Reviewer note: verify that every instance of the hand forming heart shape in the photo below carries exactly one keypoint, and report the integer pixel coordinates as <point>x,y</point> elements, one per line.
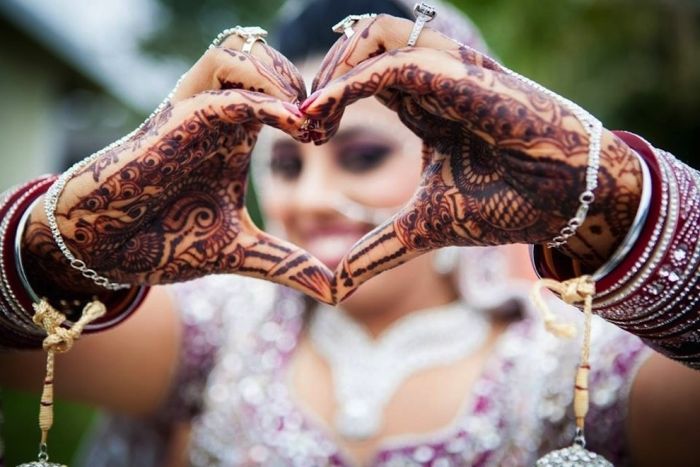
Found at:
<point>503,162</point>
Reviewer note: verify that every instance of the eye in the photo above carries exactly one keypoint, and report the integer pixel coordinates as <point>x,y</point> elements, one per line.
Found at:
<point>285,165</point>
<point>359,158</point>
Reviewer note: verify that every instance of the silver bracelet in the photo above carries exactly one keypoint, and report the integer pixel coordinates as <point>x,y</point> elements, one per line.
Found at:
<point>635,229</point>
<point>19,265</point>
<point>595,132</point>
<point>51,199</point>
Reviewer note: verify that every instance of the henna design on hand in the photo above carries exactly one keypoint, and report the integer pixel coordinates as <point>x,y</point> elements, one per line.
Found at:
<point>168,204</point>
<point>503,163</point>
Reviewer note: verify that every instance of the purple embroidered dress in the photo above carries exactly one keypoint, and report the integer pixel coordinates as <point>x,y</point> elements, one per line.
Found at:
<point>232,382</point>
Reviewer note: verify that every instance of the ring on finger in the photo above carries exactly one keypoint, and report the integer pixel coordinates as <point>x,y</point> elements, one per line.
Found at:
<point>423,13</point>
<point>251,35</point>
<point>344,26</point>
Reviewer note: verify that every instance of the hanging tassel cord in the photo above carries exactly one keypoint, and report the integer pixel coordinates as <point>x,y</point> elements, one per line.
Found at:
<point>572,291</point>
<point>58,340</point>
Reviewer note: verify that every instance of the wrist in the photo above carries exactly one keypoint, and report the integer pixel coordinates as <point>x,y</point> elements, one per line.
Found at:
<point>616,209</point>
<point>18,281</point>
<point>653,291</point>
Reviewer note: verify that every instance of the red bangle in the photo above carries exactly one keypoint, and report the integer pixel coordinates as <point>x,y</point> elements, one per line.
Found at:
<point>16,327</point>
<point>18,330</point>
<point>655,290</point>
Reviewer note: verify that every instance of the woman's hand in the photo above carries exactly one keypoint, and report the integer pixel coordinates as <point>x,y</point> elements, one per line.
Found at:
<point>503,162</point>
<point>168,205</point>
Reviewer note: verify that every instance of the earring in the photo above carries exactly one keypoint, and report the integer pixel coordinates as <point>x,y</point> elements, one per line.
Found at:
<point>445,260</point>
<point>483,276</point>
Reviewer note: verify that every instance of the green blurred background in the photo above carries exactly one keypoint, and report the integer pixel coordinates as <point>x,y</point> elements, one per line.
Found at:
<point>633,63</point>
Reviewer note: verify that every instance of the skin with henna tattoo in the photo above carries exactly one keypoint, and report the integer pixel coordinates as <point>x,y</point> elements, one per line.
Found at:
<point>503,162</point>
<point>168,204</point>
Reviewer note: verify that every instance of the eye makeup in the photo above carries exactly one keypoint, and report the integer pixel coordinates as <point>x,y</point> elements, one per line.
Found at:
<point>285,160</point>
<point>360,150</point>
<point>358,157</point>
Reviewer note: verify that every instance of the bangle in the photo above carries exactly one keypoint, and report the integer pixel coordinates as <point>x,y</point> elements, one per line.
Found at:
<point>17,329</point>
<point>21,227</point>
<point>17,305</point>
<point>635,229</point>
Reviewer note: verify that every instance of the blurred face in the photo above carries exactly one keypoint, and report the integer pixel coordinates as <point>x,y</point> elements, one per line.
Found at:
<point>325,198</point>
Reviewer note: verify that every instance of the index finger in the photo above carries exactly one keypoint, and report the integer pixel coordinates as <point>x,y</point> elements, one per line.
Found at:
<point>272,58</point>
<point>377,35</point>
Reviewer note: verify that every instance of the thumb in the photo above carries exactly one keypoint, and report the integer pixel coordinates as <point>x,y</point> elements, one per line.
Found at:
<point>387,246</point>
<point>265,256</point>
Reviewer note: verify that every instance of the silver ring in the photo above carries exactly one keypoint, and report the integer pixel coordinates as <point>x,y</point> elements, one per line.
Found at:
<point>251,34</point>
<point>344,26</point>
<point>423,13</point>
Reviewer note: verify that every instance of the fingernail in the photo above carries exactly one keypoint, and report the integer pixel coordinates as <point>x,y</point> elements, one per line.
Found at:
<point>309,100</point>
<point>293,109</point>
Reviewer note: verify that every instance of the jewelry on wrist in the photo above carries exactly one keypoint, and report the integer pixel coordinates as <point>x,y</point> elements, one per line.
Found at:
<point>655,249</point>
<point>19,234</point>
<point>594,129</point>
<point>635,229</point>
<point>17,328</point>
<point>17,304</point>
<point>654,291</point>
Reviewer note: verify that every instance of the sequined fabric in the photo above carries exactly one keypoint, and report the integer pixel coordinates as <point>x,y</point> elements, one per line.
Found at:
<point>518,409</point>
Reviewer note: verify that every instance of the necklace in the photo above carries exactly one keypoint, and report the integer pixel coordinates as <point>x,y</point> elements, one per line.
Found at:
<point>367,372</point>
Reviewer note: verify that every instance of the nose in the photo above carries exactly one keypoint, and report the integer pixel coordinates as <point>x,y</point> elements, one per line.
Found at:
<point>316,190</point>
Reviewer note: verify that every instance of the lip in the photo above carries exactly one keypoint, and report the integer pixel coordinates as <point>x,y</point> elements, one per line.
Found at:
<point>330,242</point>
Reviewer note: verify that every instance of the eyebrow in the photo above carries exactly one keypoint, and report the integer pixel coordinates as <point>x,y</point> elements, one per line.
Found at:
<point>354,131</point>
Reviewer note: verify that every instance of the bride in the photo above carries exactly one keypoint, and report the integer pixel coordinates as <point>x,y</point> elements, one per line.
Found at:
<point>440,359</point>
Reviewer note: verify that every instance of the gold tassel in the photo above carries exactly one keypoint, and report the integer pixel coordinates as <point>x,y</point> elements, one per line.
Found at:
<point>580,289</point>
<point>58,340</point>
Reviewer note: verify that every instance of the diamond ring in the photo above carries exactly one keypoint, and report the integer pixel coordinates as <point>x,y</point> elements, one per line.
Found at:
<point>251,34</point>
<point>345,25</point>
<point>423,13</point>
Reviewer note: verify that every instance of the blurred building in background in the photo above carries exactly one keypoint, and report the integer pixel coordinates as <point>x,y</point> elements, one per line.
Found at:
<point>72,78</point>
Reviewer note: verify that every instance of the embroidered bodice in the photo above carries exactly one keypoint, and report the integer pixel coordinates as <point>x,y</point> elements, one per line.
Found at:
<point>518,408</point>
